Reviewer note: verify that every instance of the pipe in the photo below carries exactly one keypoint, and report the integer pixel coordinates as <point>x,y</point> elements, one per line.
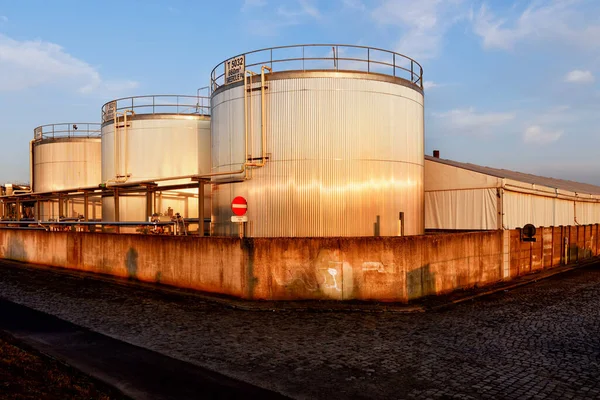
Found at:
<point>131,183</point>
<point>246,164</point>
<point>116,157</point>
<point>263,128</point>
<point>246,115</point>
<point>31,164</point>
<point>125,175</point>
<point>120,178</point>
<point>125,142</point>
<point>248,88</point>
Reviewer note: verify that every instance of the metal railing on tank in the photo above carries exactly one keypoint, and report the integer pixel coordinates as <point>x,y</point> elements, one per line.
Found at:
<point>157,104</point>
<point>335,57</point>
<point>67,130</point>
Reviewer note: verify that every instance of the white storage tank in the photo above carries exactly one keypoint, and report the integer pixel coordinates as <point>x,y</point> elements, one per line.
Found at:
<point>155,137</point>
<point>66,156</point>
<point>330,139</point>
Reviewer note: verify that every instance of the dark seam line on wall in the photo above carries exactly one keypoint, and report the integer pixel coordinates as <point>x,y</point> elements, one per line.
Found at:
<point>330,159</point>
<point>323,90</point>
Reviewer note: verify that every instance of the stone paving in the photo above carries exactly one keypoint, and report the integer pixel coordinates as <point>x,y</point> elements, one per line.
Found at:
<point>534,342</point>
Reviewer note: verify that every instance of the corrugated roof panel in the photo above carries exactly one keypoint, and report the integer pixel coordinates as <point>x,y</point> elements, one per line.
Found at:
<point>561,184</point>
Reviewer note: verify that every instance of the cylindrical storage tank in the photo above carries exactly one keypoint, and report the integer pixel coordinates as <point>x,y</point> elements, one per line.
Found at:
<point>161,137</point>
<point>66,156</point>
<point>340,132</point>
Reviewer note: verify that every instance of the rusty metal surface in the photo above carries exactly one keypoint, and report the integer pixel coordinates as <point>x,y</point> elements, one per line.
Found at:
<point>342,152</point>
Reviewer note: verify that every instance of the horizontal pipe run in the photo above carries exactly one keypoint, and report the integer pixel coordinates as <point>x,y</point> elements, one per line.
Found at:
<point>105,223</point>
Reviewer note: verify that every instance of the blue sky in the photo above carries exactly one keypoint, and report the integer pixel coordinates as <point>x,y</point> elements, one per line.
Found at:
<point>509,84</point>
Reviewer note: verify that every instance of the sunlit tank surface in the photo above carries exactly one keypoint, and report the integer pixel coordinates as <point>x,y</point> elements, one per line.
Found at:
<point>342,147</point>
<point>66,156</point>
<point>161,136</point>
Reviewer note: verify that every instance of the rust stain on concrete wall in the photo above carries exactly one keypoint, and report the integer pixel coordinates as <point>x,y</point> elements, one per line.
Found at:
<point>369,268</point>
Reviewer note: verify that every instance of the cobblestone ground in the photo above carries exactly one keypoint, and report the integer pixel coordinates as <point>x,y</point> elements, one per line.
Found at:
<point>537,341</point>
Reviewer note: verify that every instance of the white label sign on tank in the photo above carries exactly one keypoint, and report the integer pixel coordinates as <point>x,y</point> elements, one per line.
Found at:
<point>234,69</point>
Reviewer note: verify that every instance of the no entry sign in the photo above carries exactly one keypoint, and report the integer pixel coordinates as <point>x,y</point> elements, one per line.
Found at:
<point>239,206</point>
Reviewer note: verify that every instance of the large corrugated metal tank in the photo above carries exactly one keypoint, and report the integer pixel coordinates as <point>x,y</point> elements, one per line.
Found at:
<point>157,137</point>
<point>66,156</point>
<point>343,144</point>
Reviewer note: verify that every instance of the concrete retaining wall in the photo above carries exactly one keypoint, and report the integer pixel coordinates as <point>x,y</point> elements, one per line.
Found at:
<point>551,249</point>
<point>374,268</point>
<point>208,264</point>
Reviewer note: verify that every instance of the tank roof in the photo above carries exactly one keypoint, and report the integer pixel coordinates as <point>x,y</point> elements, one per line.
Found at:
<point>310,57</point>
<point>164,104</point>
<point>67,130</point>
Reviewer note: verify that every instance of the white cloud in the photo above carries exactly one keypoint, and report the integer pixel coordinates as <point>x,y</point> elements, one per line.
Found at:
<point>111,87</point>
<point>536,135</point>
<point>430,85</point>
<point>579,76</point>
<point>305,8</point>
<point>286,15</point>
<point>423,24</point>
<point>472,122</point>
<point>310,9</point>
<point>555,20</point>
<point>27,64</point>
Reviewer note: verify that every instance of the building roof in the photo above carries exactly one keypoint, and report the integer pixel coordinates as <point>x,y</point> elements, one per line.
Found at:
<point>561,184</point>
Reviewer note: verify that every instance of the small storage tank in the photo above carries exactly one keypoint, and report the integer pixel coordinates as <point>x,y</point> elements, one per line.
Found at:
<point>66,156</point>
<point>156,137</point>
<point>329,139</point>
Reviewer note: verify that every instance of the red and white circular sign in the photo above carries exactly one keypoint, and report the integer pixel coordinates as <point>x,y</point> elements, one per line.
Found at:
<point>239,206</point>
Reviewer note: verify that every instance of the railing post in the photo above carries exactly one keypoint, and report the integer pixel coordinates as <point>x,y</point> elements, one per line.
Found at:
<point>394,73</point>
<point>149,203</point>
<point>411,71</point>
<point>117,216</point>
<point>86,215</point>
<point>153,111</point>
<point>200,208</point>
<point>368,60</point>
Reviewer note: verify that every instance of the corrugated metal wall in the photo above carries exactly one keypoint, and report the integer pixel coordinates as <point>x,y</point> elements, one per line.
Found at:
<point>158,148</point>
<point>461,209</point>
<point>522,208</point>
<point>66,163</point>
<point>457,198</point>
<point>343,151</point>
